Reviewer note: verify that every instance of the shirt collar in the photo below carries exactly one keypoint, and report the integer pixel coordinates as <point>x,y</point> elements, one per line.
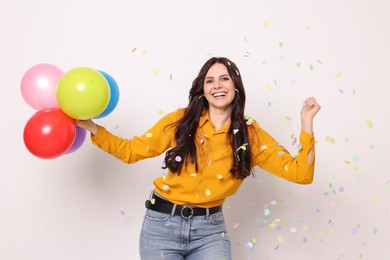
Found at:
<point>205,119</point>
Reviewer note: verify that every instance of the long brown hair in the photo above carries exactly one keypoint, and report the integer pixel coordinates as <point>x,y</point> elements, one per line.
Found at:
<point>186,127</point>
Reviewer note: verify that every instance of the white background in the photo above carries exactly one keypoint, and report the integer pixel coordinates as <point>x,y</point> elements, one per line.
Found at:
<point>88,205</point>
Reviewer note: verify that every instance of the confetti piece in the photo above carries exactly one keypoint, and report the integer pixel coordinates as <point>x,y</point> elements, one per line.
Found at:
<point>266,24</point>
<point>122,212</point>
<point>330,139</point>
<point>161,111</point>
<point>280,153</point>
<point>299,147</point>
<point>369,123</point>
<point>264,147</point>
<point>201,141</point>
<point>133,50</point>
<point>293,230</point>
<point>149,135</point>
<point>315,207</point>
<point>153,201</point>
<point>249,120</point>
<point>249,244</point>
<point>269,104</point>
<point>236,225</point>
<point>285,168</point>
<point>311,67</point>
<point>281,44</point>
<point>170,77</point>
<point>144,52</point>
<point>304,240</point>
<point>223,234</point>
<point>356,158</point>
<point>341,90</point>
<point>280,239</point>
<point>287,119</point>
<point>264,63</point>
<point>374,199</point>
<point>207,192</point>
<point>178,159</point>
<point>219,177</point>
<point>235,131</point>
<point>298,64</point>
<point>338,74</point>
<point>155,72</point>
<point>193,174</point>
<point>165,187</point>
<point>242,147</point>
<point>266,212</point>
<point>274,202</point>
<point>245,39</point>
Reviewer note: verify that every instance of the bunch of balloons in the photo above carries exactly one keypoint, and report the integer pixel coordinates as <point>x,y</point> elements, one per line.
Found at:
<point>60,99</point>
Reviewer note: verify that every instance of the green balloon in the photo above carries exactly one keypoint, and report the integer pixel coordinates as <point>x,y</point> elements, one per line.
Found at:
<point>83,93</point>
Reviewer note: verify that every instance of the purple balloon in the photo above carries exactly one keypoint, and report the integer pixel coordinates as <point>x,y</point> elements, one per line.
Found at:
<point>79,139</point>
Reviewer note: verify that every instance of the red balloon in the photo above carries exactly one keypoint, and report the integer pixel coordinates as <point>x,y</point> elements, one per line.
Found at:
<point>49,133</point>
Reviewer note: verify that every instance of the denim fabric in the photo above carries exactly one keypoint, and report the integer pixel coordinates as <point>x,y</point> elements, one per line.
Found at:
<point>170,237</point>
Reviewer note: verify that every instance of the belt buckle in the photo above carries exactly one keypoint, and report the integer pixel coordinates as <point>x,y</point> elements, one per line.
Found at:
<point>190,211</point>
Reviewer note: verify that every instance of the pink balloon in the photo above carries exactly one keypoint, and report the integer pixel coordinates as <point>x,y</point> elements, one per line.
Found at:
<point>39,86</point>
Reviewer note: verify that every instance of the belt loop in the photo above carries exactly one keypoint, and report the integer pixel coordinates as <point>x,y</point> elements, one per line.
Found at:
<point>173,210</point>
<point>207,212</point>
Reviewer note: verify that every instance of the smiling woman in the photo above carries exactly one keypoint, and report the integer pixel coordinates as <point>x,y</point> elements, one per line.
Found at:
<point>210,148</point>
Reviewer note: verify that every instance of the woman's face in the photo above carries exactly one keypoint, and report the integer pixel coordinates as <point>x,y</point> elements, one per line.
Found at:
<point>218,87</point>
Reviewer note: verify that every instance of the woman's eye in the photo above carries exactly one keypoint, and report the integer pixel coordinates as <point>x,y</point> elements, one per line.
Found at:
<point>225,78</point>
<point>209,81</point>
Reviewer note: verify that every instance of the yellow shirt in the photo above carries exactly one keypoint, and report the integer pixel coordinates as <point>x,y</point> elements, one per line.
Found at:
<point>213,182</point>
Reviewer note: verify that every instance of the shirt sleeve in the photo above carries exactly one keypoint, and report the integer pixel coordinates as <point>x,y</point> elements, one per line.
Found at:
<point>152,143</point>
<point>268,154</point>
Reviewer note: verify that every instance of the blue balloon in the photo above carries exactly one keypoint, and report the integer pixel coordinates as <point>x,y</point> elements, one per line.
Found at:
<point>114,97</point>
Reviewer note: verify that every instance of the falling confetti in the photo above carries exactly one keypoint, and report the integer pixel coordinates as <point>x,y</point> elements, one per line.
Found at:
<point>369,123</point>
<point>149,135</point>
<point>287,119</point>
<point>165,187</point>
<point>338,74</point>
<point>178,159</point>
<point>330,139</point>
<point>207,192</point>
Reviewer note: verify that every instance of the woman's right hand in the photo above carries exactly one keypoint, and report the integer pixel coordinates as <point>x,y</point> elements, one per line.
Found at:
<point>87,125</point>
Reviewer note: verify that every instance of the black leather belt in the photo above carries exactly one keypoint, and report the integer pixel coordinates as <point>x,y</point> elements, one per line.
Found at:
<point>186,211</point>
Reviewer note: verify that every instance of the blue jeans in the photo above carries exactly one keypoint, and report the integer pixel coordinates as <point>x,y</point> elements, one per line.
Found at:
<point>170,237</point>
